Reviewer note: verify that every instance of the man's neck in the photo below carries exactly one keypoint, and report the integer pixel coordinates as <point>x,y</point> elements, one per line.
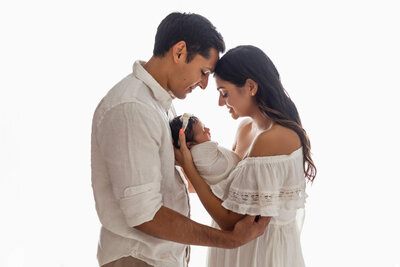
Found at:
<point>157,68</point>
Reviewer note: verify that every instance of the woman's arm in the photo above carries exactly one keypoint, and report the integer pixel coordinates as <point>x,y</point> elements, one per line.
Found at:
<point>190,186</point>
<point>225,218</point>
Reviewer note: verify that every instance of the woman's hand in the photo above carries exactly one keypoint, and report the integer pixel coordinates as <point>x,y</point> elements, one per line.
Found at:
<point>183,157</point>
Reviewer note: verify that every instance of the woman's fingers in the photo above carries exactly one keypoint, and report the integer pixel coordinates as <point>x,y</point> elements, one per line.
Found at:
<point>178,156</point>
<point>182,140</point>
<point>185,152</point>
<point>179,152</point>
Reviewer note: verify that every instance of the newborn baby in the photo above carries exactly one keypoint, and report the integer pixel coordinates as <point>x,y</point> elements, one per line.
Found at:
<point>213,162</point>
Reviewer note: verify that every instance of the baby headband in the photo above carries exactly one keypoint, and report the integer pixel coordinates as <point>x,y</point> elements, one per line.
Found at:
<point>185,120</point>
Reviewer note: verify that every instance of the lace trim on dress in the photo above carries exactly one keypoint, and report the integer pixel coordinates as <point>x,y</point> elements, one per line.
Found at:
<point>267,198</point>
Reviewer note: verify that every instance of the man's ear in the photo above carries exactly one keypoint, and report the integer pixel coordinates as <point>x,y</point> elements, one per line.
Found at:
<point>179,51</point>
<point>252,86</point>
<point>190,144</point>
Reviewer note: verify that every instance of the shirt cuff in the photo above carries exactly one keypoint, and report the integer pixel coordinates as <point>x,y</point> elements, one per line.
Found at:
<point>141,203</point>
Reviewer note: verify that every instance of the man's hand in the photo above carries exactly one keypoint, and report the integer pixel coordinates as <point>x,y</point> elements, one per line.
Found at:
<point>248,229</point>
<point>170,225</point>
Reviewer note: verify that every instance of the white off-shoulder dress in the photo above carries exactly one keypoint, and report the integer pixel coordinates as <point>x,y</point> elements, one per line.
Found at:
<point>268,186</point>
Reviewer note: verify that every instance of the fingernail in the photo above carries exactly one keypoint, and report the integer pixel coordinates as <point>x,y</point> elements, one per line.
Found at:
<point>181,131</point>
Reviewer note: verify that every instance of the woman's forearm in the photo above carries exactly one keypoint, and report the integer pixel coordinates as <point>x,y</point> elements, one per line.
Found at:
<point>225,218</point>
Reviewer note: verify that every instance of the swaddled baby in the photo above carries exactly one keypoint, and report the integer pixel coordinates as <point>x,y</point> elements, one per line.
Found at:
<point>213,162</point>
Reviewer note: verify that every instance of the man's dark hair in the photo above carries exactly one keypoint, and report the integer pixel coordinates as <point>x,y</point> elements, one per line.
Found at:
<point>176,125</point>
<point>197,31</point>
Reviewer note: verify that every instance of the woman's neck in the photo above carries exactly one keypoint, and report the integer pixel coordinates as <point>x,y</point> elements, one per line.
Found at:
<point>261,121</point>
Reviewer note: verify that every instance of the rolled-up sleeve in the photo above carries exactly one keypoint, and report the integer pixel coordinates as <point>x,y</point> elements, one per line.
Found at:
<point>129,139</point>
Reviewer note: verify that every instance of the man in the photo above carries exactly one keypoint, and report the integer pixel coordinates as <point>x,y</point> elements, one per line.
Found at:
<point>141,201</point>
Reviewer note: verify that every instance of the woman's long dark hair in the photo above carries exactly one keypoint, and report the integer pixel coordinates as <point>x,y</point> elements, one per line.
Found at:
<point>246,61</point>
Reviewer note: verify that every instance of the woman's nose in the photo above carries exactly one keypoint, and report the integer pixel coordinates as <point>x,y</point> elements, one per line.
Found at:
<point>221,101</point>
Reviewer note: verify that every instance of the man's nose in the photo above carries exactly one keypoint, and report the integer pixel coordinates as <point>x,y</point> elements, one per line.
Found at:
<point>204,81</point>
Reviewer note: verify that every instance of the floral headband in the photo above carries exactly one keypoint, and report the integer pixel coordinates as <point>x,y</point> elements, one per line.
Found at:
<point>185,120</point>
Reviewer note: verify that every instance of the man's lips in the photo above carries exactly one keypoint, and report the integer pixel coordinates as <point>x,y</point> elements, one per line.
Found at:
<point>191,88</point>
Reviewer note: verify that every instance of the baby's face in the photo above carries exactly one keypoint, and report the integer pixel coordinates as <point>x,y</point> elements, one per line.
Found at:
<point>201,133</point>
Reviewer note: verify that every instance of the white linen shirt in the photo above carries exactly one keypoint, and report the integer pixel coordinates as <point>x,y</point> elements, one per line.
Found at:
<point>133,171</point>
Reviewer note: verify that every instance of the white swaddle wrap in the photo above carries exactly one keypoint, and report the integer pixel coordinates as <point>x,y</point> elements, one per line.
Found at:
<point>213,162</point>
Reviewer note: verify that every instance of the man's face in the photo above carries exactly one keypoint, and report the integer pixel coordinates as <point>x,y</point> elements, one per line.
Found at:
<point>187,76</point>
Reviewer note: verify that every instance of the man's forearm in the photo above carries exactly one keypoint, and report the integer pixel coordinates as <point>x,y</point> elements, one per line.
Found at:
<point>171,225</point>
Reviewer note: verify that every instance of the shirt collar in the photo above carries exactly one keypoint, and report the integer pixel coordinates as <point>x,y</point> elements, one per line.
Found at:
<point>160,94</point>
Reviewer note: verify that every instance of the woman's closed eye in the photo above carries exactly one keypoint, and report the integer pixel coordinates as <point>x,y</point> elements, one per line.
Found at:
<point>223,94</point>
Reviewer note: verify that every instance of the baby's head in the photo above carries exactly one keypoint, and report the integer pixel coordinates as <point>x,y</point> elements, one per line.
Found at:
<point>195,132</point>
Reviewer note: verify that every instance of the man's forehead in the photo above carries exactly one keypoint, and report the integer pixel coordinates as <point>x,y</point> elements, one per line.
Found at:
<point>212,60</point>
<point>210,66</point>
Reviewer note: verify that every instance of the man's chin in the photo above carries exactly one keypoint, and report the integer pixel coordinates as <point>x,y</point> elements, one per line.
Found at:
<point>181,96</point>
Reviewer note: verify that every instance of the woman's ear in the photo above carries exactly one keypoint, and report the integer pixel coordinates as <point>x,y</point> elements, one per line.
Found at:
<point>253,86</point>
<point>179,51</point>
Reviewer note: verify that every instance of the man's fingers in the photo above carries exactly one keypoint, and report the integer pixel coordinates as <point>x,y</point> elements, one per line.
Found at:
<point>264,221</point>
<point>250,218</point>
<point>257,219</point>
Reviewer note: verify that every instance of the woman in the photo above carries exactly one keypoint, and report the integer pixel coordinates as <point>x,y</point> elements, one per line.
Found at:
<point>276,162</point>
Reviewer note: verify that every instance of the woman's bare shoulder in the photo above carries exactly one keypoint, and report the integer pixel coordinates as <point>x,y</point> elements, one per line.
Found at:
<point>278,140</point>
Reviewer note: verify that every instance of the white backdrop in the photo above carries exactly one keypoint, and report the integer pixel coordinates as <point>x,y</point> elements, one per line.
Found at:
<point>339,61</point>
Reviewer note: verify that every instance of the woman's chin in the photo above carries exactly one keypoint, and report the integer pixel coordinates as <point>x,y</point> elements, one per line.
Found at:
<point>234,116</point>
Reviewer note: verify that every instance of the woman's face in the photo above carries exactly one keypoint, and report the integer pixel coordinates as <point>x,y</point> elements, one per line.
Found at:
<point>201,133</point>
<point>236,99</point>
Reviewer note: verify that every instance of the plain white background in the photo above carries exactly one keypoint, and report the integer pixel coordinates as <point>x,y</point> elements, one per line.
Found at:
<point>339,61</point>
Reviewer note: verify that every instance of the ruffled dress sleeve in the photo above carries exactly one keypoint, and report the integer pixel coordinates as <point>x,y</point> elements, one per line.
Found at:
<point>264,185</point>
